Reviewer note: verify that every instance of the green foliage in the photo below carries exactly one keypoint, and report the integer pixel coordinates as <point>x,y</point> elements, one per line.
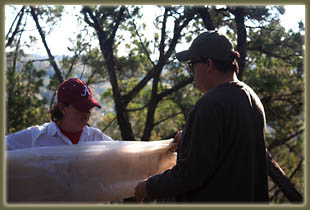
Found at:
<point>170,118</point>
<point>132,66</point>
<point>108,125</point>
<point>25,106</point>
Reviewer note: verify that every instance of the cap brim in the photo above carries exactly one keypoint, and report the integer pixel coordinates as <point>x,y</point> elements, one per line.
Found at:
<point>184,55</point>
<point>86,105</point>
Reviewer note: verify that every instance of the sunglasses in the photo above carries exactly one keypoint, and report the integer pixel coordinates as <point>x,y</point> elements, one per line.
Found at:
<point>191,63</point>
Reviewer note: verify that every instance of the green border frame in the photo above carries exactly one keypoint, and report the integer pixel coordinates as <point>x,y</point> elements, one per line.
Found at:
<point>305,205</point>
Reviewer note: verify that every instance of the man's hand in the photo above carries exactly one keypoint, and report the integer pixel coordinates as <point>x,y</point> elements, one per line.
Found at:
<point>176,141</point>
<point>141,192</point>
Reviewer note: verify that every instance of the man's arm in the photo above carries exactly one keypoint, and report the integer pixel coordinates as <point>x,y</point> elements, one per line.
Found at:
<point>201,145</point>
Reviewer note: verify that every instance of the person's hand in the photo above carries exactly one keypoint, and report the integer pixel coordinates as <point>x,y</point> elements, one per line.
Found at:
<point>176,141</point>
<point>141,192</point>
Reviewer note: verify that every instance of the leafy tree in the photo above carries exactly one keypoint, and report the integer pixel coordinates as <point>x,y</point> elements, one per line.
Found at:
<point>97,18</point>
<point>25,105</point>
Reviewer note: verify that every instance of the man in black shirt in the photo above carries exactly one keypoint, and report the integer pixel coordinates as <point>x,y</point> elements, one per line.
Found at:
<point>221,152</point>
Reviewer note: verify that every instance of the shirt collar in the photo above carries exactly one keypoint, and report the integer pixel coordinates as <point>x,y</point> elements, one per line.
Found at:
<point>52,129</point>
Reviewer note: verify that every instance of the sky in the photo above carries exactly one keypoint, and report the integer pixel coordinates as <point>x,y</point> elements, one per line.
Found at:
<point>58,40</point>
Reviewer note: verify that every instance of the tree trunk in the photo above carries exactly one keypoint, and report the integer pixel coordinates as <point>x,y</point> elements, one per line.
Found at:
<point>106,40</point>
<point>120,104</point>
<point>149,122</point>
<point>241,40</point>
<point>279,178</point>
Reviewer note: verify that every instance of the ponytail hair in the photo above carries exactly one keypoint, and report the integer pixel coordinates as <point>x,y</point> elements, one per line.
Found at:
<point>56,114</point>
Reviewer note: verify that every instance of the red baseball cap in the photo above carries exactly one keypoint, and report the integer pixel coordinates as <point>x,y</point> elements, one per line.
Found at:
<point>75,92</point>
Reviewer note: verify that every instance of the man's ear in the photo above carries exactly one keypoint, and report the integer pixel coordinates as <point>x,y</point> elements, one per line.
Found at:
<point>210,64</point>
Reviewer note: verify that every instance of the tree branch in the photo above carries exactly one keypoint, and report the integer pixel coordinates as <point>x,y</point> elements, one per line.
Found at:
<point>20,15</point>
<point>109,124</point>
<point>166,93</point>
<point>166,118</point>
<point>163,59</point>
<point>35,60</point>
<point>138,109</point>
<point>175,88</point>
<point>163,33</point>
<point>262,50</point>
<point>205,16</point>
<point>51,57</point>
<point>278,177</point>
<point>87,11</point>
<point>276,143</point>
<point>16,52</point>
<point>187,17</point>
<point>130,95</point>
<point>142,44</point>
<point>117,22</point>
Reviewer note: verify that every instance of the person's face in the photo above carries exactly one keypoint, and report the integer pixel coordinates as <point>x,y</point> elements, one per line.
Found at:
<point>75,118</point>
<point>199,69</point>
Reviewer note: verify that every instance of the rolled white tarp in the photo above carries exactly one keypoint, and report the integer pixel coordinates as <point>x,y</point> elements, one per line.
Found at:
<point>91,172</point>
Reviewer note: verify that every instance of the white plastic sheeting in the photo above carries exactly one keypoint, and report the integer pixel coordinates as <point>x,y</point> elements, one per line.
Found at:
<point>91,172</point>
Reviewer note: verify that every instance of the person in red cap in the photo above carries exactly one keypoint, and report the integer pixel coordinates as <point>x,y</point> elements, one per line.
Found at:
<point>221,152</point>
<point>69,120</point>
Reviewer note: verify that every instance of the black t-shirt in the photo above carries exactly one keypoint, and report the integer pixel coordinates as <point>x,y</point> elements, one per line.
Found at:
<point>222,154</point>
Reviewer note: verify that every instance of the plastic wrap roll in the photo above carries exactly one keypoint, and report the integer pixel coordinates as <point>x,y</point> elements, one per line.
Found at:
<point>91,172</point>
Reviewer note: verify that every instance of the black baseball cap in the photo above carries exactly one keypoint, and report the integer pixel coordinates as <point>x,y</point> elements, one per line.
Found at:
<point>209,44</point>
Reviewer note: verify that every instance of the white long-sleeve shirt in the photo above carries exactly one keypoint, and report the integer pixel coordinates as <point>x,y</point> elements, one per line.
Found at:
<point>49,134</point>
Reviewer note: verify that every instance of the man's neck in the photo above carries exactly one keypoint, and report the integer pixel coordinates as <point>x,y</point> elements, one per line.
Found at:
<point>223,78</point>
<point>228,78</point>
